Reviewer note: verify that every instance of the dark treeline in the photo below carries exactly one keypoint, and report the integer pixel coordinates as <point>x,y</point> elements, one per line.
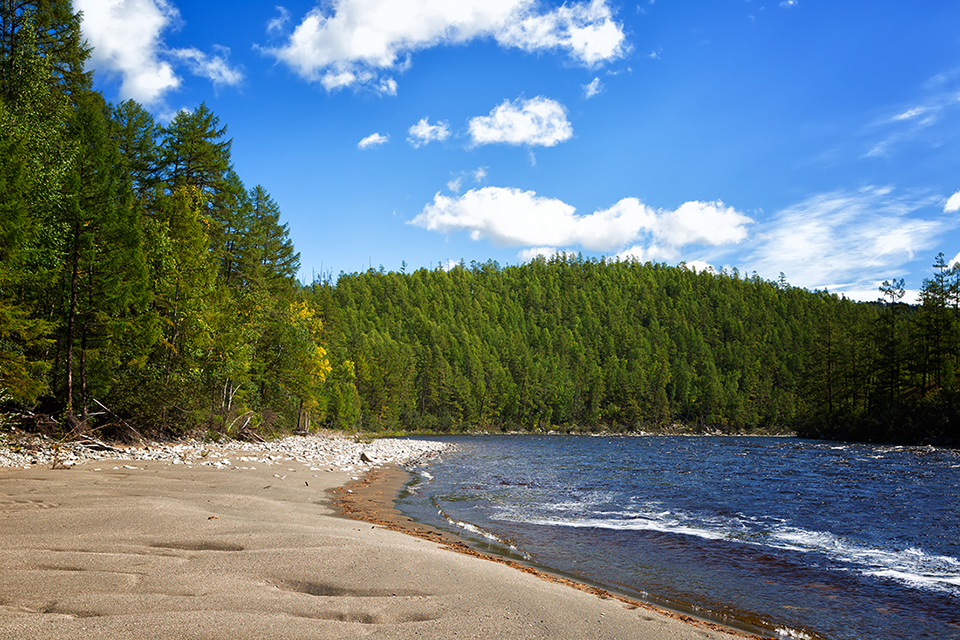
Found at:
<point>144,286</point>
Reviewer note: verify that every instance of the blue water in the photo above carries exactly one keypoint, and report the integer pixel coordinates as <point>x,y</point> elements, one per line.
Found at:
<point>805,539</point>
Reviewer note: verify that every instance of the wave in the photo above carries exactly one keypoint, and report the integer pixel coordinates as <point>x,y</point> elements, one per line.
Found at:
<point>910,566</point>
<point>479,531</point>
<point>633,523</point>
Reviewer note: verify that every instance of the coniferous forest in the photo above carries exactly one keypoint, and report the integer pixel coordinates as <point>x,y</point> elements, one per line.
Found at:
<point>144,287</point>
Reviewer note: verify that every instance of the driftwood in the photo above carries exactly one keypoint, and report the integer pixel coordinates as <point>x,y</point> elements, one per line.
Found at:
<point>96,445</point>
<point>80,433</point>
<point>122,421</point>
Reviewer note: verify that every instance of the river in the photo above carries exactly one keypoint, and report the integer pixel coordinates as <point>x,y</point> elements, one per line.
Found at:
<point>800,538</point>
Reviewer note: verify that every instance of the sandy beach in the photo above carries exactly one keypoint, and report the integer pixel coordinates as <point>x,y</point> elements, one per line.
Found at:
<point>248,544</point>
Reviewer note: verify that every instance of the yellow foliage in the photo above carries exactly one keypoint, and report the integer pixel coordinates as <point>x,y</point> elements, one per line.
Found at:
<point>303,316</point>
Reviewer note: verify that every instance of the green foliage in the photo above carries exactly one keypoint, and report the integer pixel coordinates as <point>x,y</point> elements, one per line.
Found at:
<point>35,159</point>
<point>136,269</point>
<point>575,344</point>
<point>561,343</point>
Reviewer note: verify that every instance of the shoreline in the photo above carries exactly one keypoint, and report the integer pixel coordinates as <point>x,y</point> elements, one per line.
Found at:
<point>249,545</point>
<point>371,499</point>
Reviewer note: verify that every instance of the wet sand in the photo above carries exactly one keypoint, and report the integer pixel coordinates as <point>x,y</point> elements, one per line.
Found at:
<point>158,550</point>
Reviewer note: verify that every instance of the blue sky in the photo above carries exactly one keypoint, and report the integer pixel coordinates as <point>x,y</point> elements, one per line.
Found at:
<point>816,138</point>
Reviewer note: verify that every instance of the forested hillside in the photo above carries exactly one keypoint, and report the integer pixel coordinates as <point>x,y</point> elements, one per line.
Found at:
<point>583,344</point>
<point>144,286</point>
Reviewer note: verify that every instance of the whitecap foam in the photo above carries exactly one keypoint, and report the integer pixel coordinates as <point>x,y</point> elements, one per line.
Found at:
<point>663,521</point>
<point>479,531</point>
<point>640,524</point>
<point>787,632</point>
<point>911,566</point>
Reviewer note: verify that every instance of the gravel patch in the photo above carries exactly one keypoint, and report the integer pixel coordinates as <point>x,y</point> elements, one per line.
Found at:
<point>326,452</point>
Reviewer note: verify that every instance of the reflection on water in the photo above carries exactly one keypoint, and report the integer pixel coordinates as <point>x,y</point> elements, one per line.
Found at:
<point>841,541</point>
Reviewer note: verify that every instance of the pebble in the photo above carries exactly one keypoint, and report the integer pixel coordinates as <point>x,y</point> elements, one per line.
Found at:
<point>330,451</point>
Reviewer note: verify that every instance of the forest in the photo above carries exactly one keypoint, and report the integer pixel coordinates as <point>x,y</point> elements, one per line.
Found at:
<point>146,289</point>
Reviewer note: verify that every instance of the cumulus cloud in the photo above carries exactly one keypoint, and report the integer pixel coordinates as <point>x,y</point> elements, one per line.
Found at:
<point>846,240</point>
<point>699,266</point>
<point>592,89</point>
<point>512,217</point>
<point>536,122</point>
<point>953,203</point>
<point>126,36</point>
<point>349,43</point>
<point>373,140</point>
<point>693,223</point>
<point>424,133</point>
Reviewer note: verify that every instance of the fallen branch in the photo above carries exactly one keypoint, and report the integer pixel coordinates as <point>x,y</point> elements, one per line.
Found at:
<point>122,421</point>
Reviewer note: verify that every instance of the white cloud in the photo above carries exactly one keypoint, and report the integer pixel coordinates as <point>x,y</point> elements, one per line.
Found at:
<point>539,121</point>
<point>126,36</point>
<point>587,31</point>
<point>786,4</point>
<point>424,133</point>
<point>478,175</point>
<point>699,266</point>
<point>214,68</point>
<point>277,25</point>
<point>955,260</point>
<point>928,118</point>
<point>535,252</point>
<point>845,240</point>
<point>649,253</point>
<point>693,223</point>
<point>910,114</point>
<point>709,223</point>
<point>352,42</point>
<point>508,217</point>
<point>592,89</point>
<point>511,217</point>
<point>953,203</point>
<point>373,140</point>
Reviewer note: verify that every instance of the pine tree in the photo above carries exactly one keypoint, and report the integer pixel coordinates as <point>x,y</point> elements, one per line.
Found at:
<point>104,281</point>
<point>35,158</point>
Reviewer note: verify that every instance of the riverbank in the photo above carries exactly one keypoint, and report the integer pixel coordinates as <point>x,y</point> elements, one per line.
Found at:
<point>246,543</point>
<point>371,499</point>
